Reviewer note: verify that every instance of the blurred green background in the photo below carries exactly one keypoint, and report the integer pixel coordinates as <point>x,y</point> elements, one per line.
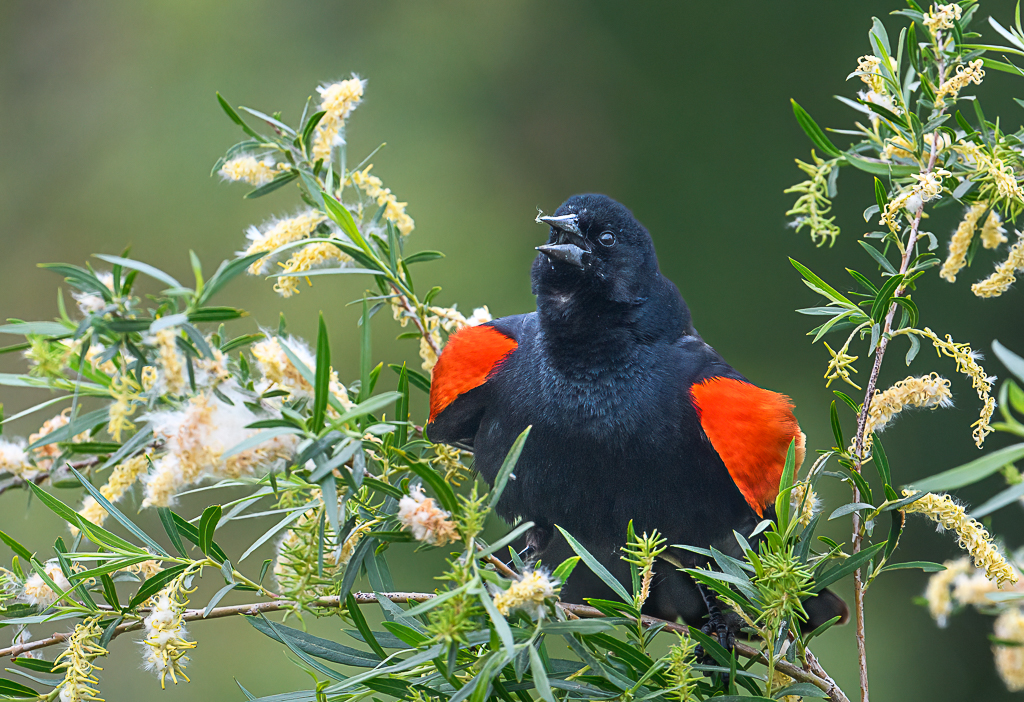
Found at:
<point>490,110</point>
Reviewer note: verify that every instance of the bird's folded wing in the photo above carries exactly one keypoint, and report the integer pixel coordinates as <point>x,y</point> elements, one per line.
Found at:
<point>469,358</point>
<point>751,429</point>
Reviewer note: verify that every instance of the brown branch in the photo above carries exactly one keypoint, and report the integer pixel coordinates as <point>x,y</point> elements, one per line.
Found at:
<point>18,481</point>
<point>862,420</point>
<point>815,676</point>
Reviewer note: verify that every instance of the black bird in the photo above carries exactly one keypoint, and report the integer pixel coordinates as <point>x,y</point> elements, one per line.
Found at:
<point>634,416</point>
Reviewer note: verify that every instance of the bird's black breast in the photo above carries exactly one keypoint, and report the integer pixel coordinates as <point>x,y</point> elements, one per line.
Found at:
<point>611,441</point>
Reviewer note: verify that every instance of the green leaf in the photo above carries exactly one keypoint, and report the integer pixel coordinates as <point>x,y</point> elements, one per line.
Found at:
<point>116,514</point>
<point>365,356</point>
<point>595,566</point>
<point>814,132</point>
<point>880,167</point>
<point>785,483</point>
<point>192,534</point>
<point>926,566</point>
<point>40,328</point>
<point>207,526</point>
<point>402,408</point>
<point>826,289</point>
<point>880,307</point>
<point>363,627</point>
<point>155,584</point>
<point>217,597</point>
<point>837,429</point>
<point>565,568</point>
<point>847,567</point>
<point>238,120</point>
<point>19,550</point>
<point>9,688</point>
<point>507,466</point>
<point>307,131</point>
<point>848,508</point>
<point>972,472</point>
<point>77,425</point>
<point>1005,497</point>
<point>227,271</point>
<point>1013,362</point>
<point>880,259</point>
<point>540,676</point>
<point>799,690</point>
<point>880,195</point>
<point>323,376</point>
<point>437,484</point>
<point>422,256</point>
<point>270,532</point>
<point>141,267</point>
<point>279,181</point>
<point>316,646</point>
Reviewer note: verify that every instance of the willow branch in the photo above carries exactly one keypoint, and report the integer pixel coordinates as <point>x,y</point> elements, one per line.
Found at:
<point>815,676</point>
<point>862,422</point>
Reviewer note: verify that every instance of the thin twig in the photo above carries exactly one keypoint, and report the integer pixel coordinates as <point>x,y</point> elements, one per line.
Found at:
<point>816,676</point>
<point>862,420</point>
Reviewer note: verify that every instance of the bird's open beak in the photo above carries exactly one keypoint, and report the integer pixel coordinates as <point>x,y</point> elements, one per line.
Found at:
<point>570,245</point>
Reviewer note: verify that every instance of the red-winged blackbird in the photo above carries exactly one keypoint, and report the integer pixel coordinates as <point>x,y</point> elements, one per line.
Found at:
<point>634,416</point>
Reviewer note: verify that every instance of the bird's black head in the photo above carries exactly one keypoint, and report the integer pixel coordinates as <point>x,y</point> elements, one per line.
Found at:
<point>596,250</point>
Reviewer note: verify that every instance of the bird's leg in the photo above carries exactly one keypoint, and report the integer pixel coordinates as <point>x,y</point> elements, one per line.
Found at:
<point>537,539</point>
<point>723,625</point>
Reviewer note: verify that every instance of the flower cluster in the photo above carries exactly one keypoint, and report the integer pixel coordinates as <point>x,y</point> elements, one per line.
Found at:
<point>394,211</point>
<point>938,594</point>
<point>36,592</point>
<point>805,503</point>
<point>197,438</point>
<point>427,522</point>
<point>966,363</point>
<point>1004,275</point>
<point>275,233</point>
<point>927,392</point>
<point>972,536</point>
<point>337,101</point>
<point>1009,627</point>
<point>992,169</point>
<point>973,73</point>
<point>928,187</point>
<point>83,648</point>
<point>942,17</point>
<point>530,595</point>
<point>812,208</point>
<point>249,169</point>
<point>165,646</point>
<point>961,241</point>
<point>279,371</point>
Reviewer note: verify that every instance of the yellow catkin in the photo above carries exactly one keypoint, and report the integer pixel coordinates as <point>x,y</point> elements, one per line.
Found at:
<point>937,593</point>
<point>249,169</point>
<point>941,17</point>
<point>1005,273</point>
<point>961,241</point>
<point>928,391</point>
<point>992,232</point>
<point>305,259</point>
<point>528,594</point>
<point>973,73</point>
<point>1009,626</point>
<point>337,101</point>
<point>80,680</point>
<point>278,232</point>
<point>373,186</point>
<point>973,537</point>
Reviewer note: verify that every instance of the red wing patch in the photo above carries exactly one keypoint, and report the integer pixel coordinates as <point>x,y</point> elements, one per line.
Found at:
<point>750,429</point>
<point>467,360</point>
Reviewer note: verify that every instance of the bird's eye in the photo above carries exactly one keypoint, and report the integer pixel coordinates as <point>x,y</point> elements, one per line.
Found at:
<point>606,239</point>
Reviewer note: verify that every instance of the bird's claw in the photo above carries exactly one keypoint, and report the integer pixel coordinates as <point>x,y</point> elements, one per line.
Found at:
<point>723,626</point>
